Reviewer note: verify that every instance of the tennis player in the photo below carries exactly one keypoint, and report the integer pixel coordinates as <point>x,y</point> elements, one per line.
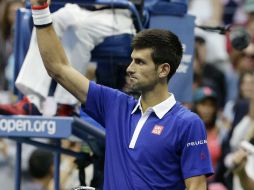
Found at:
<point>151,143</point>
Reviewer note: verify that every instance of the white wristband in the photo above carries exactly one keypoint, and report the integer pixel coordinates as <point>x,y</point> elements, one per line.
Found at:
<point>41,17</point>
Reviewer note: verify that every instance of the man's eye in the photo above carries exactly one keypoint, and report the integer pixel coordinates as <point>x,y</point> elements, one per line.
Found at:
<point>139,62</point>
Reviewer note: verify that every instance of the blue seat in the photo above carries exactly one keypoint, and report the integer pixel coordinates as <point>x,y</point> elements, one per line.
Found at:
<point>172,7</point>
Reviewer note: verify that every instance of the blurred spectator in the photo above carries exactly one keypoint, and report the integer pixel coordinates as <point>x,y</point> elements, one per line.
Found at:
<point>8,22</point>
<point>246,89</point>
<point>248,7</point>
<point>206,74</point>
<point>206,106</point>
<point>235,110</point>
<point>246,62</point>
<point>244,69</point>
<point>211,64</point>
<point>69,170</point>
<point>244,130</point>
<point>233,12</point>
<point>40,169</point>
<point>209,13</point>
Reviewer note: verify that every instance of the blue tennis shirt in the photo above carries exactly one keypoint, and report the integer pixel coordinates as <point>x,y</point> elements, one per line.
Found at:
<point>168,149</point>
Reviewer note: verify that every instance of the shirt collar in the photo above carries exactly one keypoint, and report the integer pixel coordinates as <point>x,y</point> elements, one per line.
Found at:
<point>160,109</point>
<point>138,105</point>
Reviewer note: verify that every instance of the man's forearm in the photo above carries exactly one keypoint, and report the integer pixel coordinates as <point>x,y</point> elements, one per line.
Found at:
<point>51,50</point>
<point>53,54</point>
<point>50,47</point>
<point>57,65</point>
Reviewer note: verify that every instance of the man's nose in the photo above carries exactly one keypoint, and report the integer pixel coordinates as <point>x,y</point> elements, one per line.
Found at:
<point>130,68</point>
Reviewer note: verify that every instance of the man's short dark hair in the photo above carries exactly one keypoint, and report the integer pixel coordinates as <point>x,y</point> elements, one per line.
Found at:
<point>166,46</point>
<point>40,163</point>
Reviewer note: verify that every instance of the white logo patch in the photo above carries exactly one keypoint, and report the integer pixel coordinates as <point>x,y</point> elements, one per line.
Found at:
<point>196,143</point>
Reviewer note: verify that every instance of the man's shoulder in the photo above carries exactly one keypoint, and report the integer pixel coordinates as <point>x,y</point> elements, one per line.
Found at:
<point>111,94</point>
<point>184,117</point>
<point>188,122</point>
<point>183,113</point>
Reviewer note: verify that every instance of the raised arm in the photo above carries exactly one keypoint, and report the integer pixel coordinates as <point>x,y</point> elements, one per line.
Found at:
<point>56,62</point>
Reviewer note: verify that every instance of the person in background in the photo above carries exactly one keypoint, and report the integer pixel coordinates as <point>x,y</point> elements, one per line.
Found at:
<point>40,170</point>
<point>207,74</point>
<point>210,13</point>
<point>248,8</point>
<point>206,106</point>
<point>8,22</point>
<point>231,112</point>
<point>243,131</point>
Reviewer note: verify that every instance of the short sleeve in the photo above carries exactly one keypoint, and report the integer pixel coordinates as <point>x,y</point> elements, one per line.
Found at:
<point>97,98</point>
<point>195,156</point>
<point>103,102</point>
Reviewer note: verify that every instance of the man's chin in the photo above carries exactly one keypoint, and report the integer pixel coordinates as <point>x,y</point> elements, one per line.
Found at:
<point>134,92</point>
<point>132,87</point>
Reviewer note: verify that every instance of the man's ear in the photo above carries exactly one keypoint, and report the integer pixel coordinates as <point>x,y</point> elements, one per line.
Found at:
<point>164,70</point>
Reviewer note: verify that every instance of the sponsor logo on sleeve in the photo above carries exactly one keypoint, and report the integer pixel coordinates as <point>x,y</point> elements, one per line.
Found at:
<point>196,143</point>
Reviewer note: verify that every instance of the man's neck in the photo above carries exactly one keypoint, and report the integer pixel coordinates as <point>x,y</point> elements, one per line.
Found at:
<point>154,97</point>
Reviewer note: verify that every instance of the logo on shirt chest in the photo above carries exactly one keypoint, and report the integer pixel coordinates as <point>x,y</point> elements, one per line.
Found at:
<point>157,129</point>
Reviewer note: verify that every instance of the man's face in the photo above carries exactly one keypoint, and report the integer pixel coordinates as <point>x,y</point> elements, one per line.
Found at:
<point>142,71</point>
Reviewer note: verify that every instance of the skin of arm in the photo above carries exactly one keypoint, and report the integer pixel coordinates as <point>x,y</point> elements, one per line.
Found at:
<point>196,183</point>
<point>56,62</point>
<point>240,158</point>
